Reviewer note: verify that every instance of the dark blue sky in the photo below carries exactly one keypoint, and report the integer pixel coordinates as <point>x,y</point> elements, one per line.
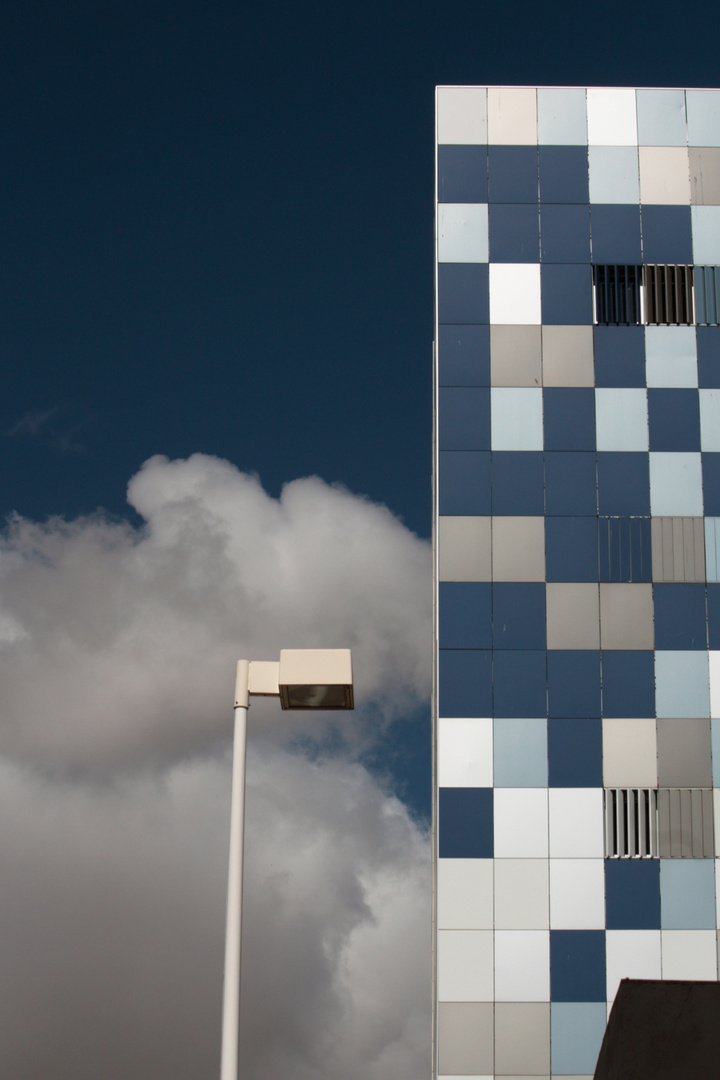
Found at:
<point>217,226</point>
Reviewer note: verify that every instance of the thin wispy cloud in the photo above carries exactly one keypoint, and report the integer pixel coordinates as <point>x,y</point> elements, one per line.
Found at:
<point>57,427</point>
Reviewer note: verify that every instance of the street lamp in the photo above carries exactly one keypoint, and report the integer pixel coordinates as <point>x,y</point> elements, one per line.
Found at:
<point>302,679</point>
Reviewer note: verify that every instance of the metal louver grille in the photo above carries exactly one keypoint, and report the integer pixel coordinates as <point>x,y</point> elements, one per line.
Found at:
<point>630,823</point>
<point>685,819</point>
<point>669,295</point>
<point>707,295</point>
<point>617,294</point>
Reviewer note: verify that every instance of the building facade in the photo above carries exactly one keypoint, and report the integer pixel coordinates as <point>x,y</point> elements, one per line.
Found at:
<point>577,487</point>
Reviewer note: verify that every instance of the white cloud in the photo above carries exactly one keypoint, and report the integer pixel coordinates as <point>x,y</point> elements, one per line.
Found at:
<point>124,641</point>
<point>117,653</point>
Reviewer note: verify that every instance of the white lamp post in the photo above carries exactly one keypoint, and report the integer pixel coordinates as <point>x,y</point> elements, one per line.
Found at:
<point>302,679</point>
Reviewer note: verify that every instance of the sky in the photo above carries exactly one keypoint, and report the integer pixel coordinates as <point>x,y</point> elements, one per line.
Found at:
<point>215,440</point>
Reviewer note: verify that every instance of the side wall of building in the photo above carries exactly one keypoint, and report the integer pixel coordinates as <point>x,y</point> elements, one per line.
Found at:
<point>578,566</point>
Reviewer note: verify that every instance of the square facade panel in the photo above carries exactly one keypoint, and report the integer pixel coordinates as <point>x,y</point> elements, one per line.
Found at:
<point>462,174</point>
<point>631,954</point>
<point>516,356</point>
<point>465,822</point>
<point>463,293</point>
<point>622,419</point>
<point>465,894</point>
<point>514,293</point>
<point>575,823</point>
<point>518,549</point>
<point>565,233</point>
<point>570,483</point>
<point>517,483</point>
<point>629,752</point>
<point>574,753</point>
<point>464,551</point>
<point>464,418</point>
<point>577,894</point>
<point>576,1032</point>
<point>619,356</point>
<point>664,175</point>
<point>465,682</point>
<point>623,483</point>
<point>628,685</point>
<point>465,1038</point>
<point>567,356</point>
<point>464,355</point>
<point>563,174</point>
<point>462,114</point>
<point>616,234</point>
<point>661,118</point>
<point>671,356</point>
<point>703,117</point>
<point>705,175</point>
<point>577,959</point>
<point>562,116</point>
<point>512,115</point>
<point>514,233</point>
<point>522,965</point>
<point>521,894</point>
<point>464,615</point>
<point>573,616</point>
<point>517,418</point>
<point>566,295</point>
<point>632,889</point>
<point>521,823</point>
<point>706,234</point>
<point>513,174</point>
<point>614,175</point>
<point>464,482</point>
<point>684,753</point>
<point>520,752</point>
<point>529,1056</point>
<point>463,233</point>
<point>612,118</point>
<point>667,234</point>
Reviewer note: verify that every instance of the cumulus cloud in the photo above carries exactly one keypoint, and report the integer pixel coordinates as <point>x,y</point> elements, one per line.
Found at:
<point>117,653</point>
<point>119,643</point>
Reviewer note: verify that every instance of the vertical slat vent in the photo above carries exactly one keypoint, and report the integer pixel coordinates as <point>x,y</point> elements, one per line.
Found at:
<point>656,295</point>
<point>707,295</point>
<point>668,295</point>
<point>631,823</point>
<point>685,823</point>
<point>617,294</point>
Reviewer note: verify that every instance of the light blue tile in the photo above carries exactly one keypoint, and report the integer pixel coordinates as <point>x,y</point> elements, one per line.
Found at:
<point>520,748</point>
<point>687,894</point>
<point>516,418</point>
<point>682,683</point>
<point>676,484</point>
<point>703,117</point>
<point>576,1034</point>
<point>710,420</point>
<point>706,235</point>
<point>671,356</point>
<point>463,232</point>
<point>712,548</point>
<point>562,117</point>
<point>715,728</point>
<point>661,118</point>
<point>621,419</point>
<point>614,176</point>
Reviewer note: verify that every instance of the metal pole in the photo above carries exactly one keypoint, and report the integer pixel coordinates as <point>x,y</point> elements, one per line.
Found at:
<point>233,931</point>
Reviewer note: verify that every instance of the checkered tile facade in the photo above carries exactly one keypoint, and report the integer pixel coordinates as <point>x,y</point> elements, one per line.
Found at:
<point>577,479</point>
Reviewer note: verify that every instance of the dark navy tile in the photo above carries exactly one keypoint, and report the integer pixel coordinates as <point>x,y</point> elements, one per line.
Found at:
<point>463,293</point>
<point>619,356</point>
<point>564,234</point>
<point>680,617</point>
<point>624,548</point>
<point>713,609</point>
<point>465,823</point>
<point>571,551</point>
<point>623,483</point>
<point>632,894</point>
<point>465,615</point>
<point>464,418</point>
<point>465,682</point>
<point>667,234</point>
<point>513,173</point>
<point>517,483</point>
<point>573,683</point>
<point>563,174</point>
<point>519,683</point>
<point>464,355</point>
<point>462,174</point>
<point>570,483</point>
<point>708,354</point>
<point>569,418</point>
<point>628,683</point>
<point>518,612</point>
<point>711,484</point>
<point>674,420</point>
<point>464,482</point>
<point>615,233</point>
<point>566,294</point>
<point>514,233</point>
<point>577,965</point>
<point>574,752</point>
